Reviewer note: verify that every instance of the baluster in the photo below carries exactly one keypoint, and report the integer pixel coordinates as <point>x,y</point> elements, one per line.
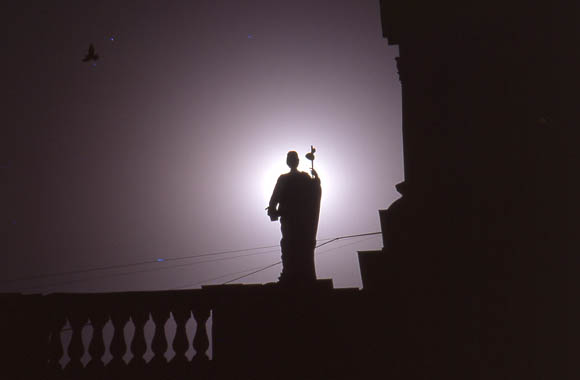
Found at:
<point>158,363</point>
<point>138,344</point>
<point>117,366</point>
<point>96,366</point>
<point>200,362</point>
<point>76,348</point>
<point>179,363</point>
<point>201,340</point>
<point>55,349</point>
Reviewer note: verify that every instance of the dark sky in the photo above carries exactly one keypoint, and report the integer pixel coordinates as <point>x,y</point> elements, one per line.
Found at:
<point>171,144</point>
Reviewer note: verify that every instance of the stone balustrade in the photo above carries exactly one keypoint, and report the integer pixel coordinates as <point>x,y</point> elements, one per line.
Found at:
<point>57,318</point>
<point>257,332</point>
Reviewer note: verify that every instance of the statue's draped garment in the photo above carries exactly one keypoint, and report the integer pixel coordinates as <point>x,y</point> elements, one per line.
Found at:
<point>297,196</point>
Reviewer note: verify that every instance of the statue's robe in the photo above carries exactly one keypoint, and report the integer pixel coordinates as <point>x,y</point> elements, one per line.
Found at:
<point>297,196</point>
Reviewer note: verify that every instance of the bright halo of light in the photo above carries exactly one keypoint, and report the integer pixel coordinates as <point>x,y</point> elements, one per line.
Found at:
<point>276,165</point>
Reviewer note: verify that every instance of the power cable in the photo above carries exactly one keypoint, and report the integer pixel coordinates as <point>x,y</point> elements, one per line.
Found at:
<point>117,266</point>
<point>214,278</point>
<point>49,286</point>
<point>260,269</point>
<point>347,237</point>
<point>52,285</point>
<point>320,245</point>
<point>145,262</point>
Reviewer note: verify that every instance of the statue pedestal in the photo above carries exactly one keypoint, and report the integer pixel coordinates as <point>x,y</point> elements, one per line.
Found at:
<point>277,331</point>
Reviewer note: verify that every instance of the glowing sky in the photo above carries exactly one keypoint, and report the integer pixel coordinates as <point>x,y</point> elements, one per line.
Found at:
<point>170,144</point>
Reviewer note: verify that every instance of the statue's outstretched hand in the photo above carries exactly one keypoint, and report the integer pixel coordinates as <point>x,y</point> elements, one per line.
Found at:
<point>314,173</point>
<point>273,213</point>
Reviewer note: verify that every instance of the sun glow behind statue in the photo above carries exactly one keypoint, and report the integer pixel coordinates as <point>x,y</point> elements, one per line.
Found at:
<point>184,149</point>
<point>275,165</point>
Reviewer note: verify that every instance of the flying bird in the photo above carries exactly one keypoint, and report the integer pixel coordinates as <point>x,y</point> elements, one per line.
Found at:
<point>91,56</point>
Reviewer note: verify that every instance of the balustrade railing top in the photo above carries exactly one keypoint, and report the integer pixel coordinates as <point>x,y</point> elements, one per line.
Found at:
<point>154,334</point>
<point>56,316</point>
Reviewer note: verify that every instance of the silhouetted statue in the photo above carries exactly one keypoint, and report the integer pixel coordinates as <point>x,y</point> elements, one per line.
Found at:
<point>91,56</point>
<point>296,200</point>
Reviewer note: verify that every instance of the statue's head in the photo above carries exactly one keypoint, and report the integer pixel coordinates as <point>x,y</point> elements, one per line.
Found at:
<point>292,159</point>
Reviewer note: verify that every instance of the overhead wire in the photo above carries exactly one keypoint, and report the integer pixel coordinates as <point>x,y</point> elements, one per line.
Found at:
<point>158,260</point>
<point>262,268</point>
<point>206,281</point>
<point>137,263</point>
<point>320,245</point>
<point>347,237</point>
<point>254,272</point>
<point>52,285</point>
<point>111,275</point>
